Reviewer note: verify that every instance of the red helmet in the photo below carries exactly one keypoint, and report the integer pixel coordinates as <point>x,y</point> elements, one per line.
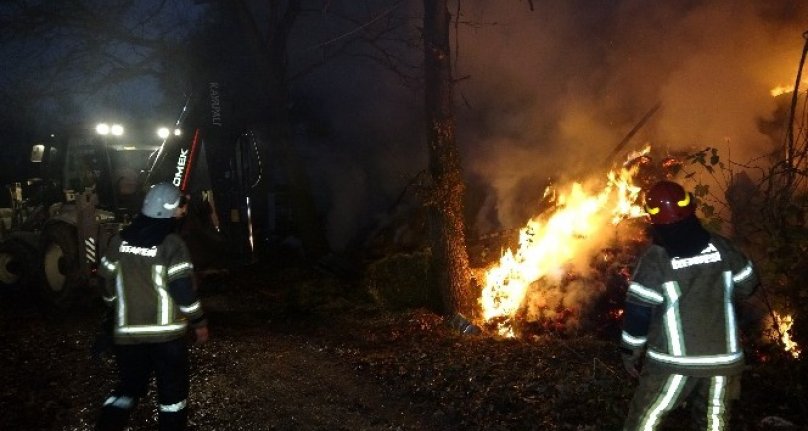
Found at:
<point>668,202</point>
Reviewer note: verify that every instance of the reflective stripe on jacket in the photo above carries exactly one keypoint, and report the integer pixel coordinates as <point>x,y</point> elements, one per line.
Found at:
<point>138,285</point>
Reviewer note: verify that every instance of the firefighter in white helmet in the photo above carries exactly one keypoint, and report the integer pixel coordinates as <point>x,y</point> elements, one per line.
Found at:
<point>680,316</point>
<point>148,272</point>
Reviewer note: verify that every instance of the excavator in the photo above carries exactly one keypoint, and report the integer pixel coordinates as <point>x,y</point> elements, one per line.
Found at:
<point>56,225</point>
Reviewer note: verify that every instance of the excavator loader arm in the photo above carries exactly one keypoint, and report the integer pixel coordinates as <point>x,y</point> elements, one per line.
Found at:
<point>203,157</point>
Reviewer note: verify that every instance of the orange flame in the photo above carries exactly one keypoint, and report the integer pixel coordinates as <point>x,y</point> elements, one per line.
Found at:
<point>781,89</point>
<point>784,324</point>
<point>785,89</point>
<point>549,242</point>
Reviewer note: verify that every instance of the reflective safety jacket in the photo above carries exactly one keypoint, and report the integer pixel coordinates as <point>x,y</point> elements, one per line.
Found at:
<point>151,290</point>
<point>682,309</point>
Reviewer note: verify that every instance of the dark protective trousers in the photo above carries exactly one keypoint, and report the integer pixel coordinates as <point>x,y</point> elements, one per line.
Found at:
<point>709,399</point>
<point>168,361</point>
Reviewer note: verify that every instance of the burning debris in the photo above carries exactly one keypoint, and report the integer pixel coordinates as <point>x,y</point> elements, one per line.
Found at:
<point>549,278</point>
<point>783,324</point>
<point>571,267</point>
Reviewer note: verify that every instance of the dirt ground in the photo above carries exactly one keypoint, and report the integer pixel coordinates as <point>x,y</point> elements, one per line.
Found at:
<point>294,349</point>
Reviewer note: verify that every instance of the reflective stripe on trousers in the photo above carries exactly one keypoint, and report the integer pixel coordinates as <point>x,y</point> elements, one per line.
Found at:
<point>137,363</point>
<point>709,399</point>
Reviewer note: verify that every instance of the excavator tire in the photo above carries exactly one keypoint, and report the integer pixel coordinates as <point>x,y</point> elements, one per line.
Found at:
<point>61,274</point>
<point>18,266</point>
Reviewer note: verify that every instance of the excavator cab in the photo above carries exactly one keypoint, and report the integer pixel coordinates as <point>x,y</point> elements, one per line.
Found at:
<point>115,171</point>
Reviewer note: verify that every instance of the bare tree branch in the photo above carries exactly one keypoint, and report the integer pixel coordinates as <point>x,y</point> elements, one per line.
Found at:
<point>84,46</point>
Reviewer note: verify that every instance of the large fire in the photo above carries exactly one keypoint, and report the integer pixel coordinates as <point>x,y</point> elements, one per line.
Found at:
<point>572,230</point>
<point>549,242</point>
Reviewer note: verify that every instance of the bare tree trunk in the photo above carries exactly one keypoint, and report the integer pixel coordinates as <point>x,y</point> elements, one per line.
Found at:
<point>450,262</point>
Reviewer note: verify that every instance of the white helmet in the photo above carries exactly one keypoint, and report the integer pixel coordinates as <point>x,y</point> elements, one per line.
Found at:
<point>161,201</point>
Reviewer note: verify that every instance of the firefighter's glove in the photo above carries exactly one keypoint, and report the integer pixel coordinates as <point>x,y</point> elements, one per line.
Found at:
<point>631,361</point>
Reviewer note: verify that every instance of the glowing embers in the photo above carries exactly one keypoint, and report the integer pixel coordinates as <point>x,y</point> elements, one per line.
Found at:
<point>554,245</point>
<point>784,324</point>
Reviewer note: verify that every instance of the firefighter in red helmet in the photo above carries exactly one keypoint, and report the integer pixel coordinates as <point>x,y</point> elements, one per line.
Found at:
<point>680,316</point>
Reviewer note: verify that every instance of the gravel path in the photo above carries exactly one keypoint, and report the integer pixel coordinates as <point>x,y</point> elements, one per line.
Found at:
<point>258,372</point>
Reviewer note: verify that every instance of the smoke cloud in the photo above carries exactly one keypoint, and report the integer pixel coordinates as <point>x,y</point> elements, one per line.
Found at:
<point>554,90</point>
